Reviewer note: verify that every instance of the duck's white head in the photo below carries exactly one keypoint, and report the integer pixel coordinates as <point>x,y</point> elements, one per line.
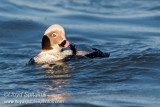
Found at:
<point>54,39</point>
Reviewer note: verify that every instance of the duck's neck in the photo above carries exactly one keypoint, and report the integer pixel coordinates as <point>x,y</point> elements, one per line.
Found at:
<point>50,51</point>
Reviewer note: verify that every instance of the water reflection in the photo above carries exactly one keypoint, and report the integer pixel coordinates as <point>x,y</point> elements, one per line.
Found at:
<point>58,78</point>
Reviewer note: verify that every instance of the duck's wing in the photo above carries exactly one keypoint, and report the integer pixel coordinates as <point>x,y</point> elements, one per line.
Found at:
<point>31,61</point>
<point>83,50</point>
<point>88,51</point>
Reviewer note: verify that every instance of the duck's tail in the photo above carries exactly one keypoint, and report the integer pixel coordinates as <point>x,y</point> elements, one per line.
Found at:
<point>97,53</point>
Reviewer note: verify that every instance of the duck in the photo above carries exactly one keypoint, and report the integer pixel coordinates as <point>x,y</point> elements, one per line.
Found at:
<point>56,47</point>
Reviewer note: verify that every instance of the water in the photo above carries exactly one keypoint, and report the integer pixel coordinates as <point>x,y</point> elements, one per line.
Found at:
<point>129,30</point>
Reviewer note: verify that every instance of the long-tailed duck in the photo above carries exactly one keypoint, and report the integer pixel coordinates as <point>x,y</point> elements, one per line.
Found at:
<point>55,47</point>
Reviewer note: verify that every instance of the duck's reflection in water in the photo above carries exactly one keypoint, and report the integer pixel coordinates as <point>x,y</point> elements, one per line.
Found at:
<point>58,78</point>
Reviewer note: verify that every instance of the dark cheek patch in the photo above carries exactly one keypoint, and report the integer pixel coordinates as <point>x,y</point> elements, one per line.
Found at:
<point>46,43</point>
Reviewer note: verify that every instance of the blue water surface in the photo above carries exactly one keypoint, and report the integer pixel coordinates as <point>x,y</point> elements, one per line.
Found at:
<point>128,29</point>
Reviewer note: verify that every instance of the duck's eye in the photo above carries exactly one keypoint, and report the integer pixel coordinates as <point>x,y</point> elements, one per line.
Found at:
<point>54,35</point>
